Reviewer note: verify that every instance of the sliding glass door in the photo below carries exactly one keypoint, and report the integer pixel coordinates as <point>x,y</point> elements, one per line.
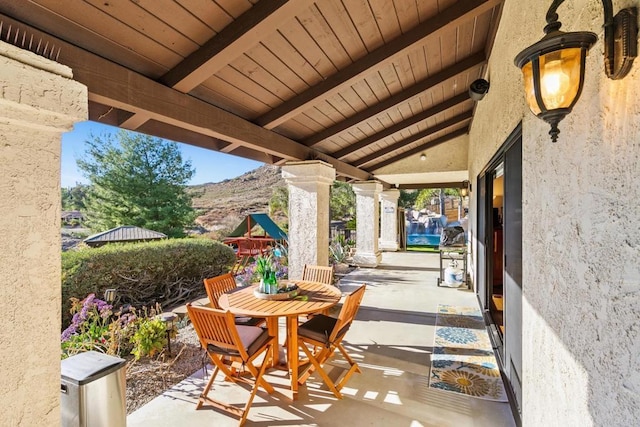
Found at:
<point>499,258</point>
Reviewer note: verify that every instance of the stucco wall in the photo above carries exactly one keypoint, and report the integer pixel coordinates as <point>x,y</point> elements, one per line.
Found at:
<point>581,222</point>
<point>38,102</point>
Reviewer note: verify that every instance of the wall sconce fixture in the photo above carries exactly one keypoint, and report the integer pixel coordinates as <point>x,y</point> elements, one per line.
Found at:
<point>464,191</point>
<point>553,68</point>
<point>423,157</point>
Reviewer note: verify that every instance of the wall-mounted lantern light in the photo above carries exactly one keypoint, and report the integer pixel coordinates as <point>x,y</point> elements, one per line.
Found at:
<point>553,68</point>
<point>464,190</point>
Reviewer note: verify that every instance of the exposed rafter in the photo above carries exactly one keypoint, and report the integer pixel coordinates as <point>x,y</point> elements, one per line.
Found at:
<point>372,139</point>
<point>236,38</point>
<point>352,83</point>
<point>460,118</point>
<point>428,83</point>
<point>116,86</point>
<point>430,29</point>
<point>430,144</point>
<point>231,42</point>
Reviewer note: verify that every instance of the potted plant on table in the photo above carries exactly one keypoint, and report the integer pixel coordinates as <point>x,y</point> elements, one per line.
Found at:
<point>267,272</point>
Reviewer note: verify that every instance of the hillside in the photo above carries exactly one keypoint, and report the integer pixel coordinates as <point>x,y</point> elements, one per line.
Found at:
<point>224,203</point>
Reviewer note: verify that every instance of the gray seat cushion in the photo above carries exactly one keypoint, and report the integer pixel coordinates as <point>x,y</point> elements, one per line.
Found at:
<point>319,328</point>
<point>252,338</point>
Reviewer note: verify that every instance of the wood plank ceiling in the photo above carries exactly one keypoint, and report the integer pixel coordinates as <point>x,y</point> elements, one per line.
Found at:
<point>358,83</point>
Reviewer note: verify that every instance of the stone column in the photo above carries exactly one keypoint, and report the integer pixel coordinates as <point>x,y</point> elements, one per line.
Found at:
<point>389,220</point>
<point>367,227</point>
<point>309,186</point>
<point>39,101</point>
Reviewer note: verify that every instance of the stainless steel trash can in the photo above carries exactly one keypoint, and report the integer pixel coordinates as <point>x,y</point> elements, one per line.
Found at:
<point>93,391</point>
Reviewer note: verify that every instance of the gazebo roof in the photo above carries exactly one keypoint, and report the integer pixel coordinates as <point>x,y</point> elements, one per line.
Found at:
<point>124,233</point>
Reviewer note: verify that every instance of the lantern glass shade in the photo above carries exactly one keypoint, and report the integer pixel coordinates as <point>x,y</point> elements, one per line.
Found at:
<point>560,79</point>
<point>529,88</point>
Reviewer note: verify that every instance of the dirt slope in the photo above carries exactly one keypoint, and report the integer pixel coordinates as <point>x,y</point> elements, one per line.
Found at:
<point>227,202</point>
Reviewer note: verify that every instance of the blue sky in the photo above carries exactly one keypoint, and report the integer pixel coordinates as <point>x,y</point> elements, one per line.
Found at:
<point>210,166</point>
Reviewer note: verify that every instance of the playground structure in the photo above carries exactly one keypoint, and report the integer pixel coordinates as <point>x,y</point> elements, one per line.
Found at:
<point>248,245</point>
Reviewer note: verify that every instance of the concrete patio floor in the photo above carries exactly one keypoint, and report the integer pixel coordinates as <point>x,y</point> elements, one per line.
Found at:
<point>391,339</point>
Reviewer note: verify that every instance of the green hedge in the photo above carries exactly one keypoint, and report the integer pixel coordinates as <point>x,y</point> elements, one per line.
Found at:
<point>169,272</point>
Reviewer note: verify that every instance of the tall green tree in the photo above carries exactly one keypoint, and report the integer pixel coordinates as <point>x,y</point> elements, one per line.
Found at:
<point>137,180</point>
<point>343,201</point>
<point>408,198</point>
<point>424,197</point>
<point>73,197</point>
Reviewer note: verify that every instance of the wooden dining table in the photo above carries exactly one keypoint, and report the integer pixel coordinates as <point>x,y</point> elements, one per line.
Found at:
<point>313,297</point>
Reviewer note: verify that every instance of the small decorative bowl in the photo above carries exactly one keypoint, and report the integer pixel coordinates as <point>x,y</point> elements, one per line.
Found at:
<point>280,296</point>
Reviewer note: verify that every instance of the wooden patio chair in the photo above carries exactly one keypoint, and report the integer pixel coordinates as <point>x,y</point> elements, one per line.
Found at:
<point>216,286</point>
<point>225,343</point>
<point>318,273</point>
<point>325,334</point>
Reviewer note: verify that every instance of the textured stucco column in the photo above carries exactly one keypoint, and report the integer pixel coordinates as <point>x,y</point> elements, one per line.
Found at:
<point>367,227</point>
<point>38,102</point>
<point>389,220</point>
<point>309,184</point>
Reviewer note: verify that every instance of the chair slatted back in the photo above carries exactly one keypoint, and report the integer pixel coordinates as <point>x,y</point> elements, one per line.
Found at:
<point>318,273</point>
<point>216,286</point>
<point>348,311</point>
<point>216,327</point>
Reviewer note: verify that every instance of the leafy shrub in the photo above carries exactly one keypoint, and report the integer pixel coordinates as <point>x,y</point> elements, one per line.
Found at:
<point>169,272</point>
<point>95,326</point>
<point>351,224</point>
<point>149,338</point>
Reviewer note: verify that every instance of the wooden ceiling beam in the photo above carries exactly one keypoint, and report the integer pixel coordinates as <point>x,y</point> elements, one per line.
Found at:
<point>173,133</point>
<point>372,139</point>
<point>113,85</point>
<point>466,64</point>
<point>430,144</point>
<point>451,17</point>
<point>460,118</point>
<point>237,37</point>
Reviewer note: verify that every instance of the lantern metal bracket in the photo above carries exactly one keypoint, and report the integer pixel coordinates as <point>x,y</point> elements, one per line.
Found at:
<point>620,37</point>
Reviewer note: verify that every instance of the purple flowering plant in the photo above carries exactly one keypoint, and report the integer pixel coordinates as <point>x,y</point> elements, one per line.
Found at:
<point>95,326</point>
<point>89,328</point>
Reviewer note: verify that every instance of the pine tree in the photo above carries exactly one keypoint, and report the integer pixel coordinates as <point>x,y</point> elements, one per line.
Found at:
<point>137,180</point>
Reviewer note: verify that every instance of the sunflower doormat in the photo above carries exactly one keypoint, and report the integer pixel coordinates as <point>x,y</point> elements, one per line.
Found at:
<point>462,359</point>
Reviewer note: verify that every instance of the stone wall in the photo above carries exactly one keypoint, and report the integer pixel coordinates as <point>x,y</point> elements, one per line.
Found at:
<point>581,244</point>
<point>39,100</point>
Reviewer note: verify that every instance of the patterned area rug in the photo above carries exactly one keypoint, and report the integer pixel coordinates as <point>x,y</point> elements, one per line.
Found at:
<point>462,359</point>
